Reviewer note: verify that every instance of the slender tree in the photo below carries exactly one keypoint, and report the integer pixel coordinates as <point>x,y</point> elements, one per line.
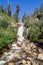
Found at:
<point>9,10</point>
<point>16,15</point>
<point>41,9</point>
<point>24,18</point>
<point>2,9</point>
<point>36,11</point>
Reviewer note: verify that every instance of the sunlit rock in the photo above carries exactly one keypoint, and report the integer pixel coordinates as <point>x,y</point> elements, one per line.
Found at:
<point>23,61</point>
<point>19,44</point>
<point>40,56</point>
<point>10,63</point>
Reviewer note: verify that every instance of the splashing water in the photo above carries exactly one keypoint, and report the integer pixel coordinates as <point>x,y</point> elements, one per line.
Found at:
<point>20,33</point>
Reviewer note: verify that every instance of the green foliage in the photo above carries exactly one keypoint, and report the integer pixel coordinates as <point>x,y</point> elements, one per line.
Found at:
<point>35,32</point>
<point>15,16</point>
<point>3,10</point>
<point>4,24</point>
<point>7,34</point>
<point>1,38</point>
<point>25,20</point>
<point>9,10</point>
<point>7,37</point>
<point>36,11</point>
<point>34,23</point>
<point>41,9</point>
<point>6,17</point>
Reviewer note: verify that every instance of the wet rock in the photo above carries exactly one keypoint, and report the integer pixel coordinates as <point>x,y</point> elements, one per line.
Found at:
<point>10,56</point>
<point>25,33</point>
<point>40,56</point>
<point>2,62</point>
<point>14,47</point>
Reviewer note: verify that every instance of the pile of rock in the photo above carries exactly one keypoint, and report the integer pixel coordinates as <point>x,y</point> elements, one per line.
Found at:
<point>22,53</point>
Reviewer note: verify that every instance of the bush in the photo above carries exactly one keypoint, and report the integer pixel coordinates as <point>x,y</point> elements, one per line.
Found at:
<point>4,24</point>
<point>11,35</point>
<point>35,33</point>
<point>1,38</point>
<point>7,35</point>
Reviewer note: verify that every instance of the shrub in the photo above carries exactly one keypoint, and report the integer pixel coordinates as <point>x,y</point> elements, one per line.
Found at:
<point>7,36</point>
<point>1,38</point>
<point>35,33</point>
<point>4,24</point>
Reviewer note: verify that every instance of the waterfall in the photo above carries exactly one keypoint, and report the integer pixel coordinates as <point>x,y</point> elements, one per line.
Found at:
<point>20,33</point>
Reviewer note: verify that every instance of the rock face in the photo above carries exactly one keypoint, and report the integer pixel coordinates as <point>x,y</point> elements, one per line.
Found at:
<point>25,32</point>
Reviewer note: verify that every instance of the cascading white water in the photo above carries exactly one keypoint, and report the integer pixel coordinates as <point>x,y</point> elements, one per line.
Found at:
<point>20,33</point>
<point>11,55</point>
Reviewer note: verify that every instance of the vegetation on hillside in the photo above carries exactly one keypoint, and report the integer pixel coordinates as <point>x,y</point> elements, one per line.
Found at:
<point>8,12</point>
<point>15,16</point>
<point>34,23</point>
<point>7,34</point>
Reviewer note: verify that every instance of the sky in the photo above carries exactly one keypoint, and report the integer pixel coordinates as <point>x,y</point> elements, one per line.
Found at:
<point>26,6</point>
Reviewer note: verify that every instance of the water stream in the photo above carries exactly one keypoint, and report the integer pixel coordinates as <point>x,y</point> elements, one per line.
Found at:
<point>15,51</point>
<point>9,56</point>
<point>20,33</point>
